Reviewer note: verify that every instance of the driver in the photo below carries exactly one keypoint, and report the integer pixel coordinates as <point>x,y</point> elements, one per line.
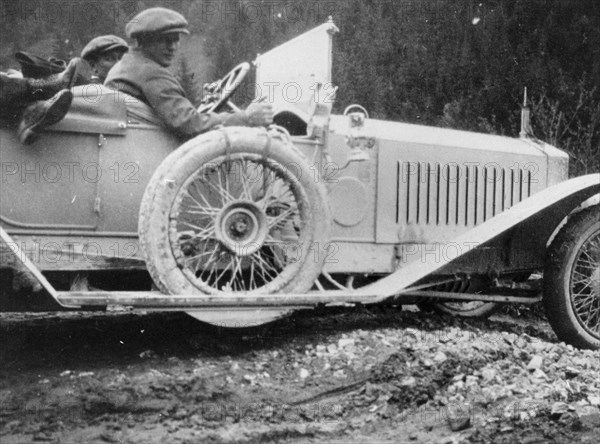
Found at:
<point>143,74</point>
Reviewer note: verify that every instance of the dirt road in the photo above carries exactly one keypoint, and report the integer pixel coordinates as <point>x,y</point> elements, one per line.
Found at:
<point>378,375</point>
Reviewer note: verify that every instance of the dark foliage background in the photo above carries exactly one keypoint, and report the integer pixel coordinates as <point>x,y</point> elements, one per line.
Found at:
<point>455,63</point>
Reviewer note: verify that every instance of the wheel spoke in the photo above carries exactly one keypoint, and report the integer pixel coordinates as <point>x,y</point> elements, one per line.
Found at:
<point>275,256</point>
<point>583,303</point>
<point>244,177</point>
<point>590,315</point>
<point>223,195</point>
<point>211,260</point>
<point>237,271</point>
<point>580,281</point>
<point>220,276</point>
<point>226,188</point>
<point>589,259</point>
<point>207,206</point>
<point>596,325</point>
<point>220,191</point>
<point>203,212</point>
<point>206,233</point>
<point>252,278</point>
<point>267,271</point>
<point>268,185</point>
<point>284,196</point>
<point>196,257</point>
<point>585,287</point>
<point>579,277</point>
<point>201,232</point>
<point>270,240</point>
<point>259,269</point>
<point>274,221</point>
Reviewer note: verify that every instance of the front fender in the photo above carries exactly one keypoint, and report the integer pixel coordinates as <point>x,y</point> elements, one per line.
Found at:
<point>532,221</point>
<point>594,200</point>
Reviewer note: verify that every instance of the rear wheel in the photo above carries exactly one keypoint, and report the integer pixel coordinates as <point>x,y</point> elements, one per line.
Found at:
<point>470,309</point>
<point>572,281</point>
<point>463,309</point>
<point>235,210</point>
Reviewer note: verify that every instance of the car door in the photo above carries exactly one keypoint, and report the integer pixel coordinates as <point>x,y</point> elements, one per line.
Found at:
<point>50,184</point>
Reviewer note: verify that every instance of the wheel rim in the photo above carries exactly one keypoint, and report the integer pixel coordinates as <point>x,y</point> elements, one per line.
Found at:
<point>585,285</point>
<point>237,224</point>
<point>464,307</point>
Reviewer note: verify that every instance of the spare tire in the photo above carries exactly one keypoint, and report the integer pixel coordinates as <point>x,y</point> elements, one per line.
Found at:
<point>234,210</point>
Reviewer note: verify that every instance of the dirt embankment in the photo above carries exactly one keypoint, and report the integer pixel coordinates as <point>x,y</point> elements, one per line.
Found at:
<point>361,375</point>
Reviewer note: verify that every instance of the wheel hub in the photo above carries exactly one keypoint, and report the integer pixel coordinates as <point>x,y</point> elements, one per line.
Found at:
<point>242,228</point>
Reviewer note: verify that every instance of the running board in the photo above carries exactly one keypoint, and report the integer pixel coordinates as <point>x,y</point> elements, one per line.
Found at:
<point>154,300</point>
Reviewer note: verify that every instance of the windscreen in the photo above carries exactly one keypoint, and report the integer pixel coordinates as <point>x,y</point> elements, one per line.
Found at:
<point>290,75</point>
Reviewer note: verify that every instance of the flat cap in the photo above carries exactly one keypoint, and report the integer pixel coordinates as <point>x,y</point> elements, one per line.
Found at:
<point>102,44</point>
<point>156,21</point>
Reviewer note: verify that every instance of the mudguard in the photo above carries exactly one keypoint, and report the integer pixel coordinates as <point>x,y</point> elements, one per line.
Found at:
<point>535,219</point>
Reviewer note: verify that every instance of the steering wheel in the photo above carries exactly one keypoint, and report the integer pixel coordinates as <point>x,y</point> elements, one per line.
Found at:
<point>217,94</point>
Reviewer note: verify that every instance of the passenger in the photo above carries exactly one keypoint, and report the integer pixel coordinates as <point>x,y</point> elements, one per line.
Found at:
<point>143,74</point>
<point>102,53</point>
<point>33,104</point>
<point>37,98</point>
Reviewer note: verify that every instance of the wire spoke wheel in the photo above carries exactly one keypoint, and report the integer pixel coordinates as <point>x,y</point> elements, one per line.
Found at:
<point>236,224</point>
<point>585,285</point>
<point>572,281</point>
<point>234,211</point>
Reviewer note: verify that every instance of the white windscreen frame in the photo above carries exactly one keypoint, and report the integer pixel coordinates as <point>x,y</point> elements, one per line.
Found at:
<point>297,72</point>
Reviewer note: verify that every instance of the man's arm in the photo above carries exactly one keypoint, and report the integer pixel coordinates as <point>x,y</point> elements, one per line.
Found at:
<point>165,95</point>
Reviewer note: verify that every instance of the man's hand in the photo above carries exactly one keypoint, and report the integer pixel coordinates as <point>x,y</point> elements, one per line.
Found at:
<point>259,114</point>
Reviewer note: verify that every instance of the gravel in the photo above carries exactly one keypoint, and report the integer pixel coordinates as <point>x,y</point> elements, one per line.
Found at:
<point>353,375</point>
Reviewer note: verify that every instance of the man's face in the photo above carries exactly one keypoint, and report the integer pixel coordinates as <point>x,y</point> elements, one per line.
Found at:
<point>105,62</point>
<point>162,48</point>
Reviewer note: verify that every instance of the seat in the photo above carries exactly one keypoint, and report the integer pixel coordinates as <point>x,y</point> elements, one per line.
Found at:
<point>95,109</point>
<point>139,112</point>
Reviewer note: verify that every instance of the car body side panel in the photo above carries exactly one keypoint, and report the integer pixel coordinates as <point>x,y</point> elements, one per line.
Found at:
<point>352,192</point>
<point>51,183</point>
<point>93,167</point>
<point>55,251</point>
<point>129,163</point>
<point>71,200</point>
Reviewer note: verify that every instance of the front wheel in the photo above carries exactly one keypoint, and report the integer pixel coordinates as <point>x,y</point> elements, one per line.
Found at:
<point>572,281</point>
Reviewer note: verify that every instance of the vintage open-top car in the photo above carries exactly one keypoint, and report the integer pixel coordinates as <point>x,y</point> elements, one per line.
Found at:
<point>240,226</point>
